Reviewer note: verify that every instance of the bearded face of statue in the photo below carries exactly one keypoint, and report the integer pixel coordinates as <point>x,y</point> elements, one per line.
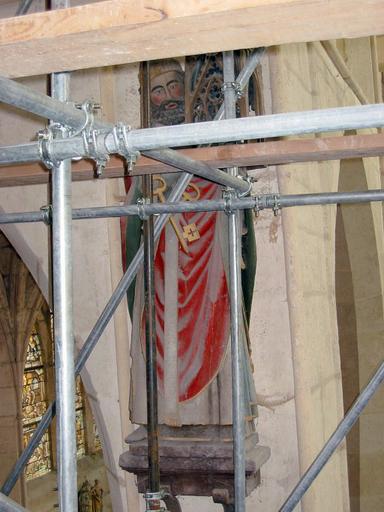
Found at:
<point>167,98</point>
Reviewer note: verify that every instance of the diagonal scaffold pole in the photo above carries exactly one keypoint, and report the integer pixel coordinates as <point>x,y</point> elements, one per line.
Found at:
<point>76,119</point>
<point>333,442</point>
<point>23,7</point>
<point>8,505</point>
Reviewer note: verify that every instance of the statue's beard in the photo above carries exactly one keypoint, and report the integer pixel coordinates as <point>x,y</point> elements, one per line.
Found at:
<point>160,116</point>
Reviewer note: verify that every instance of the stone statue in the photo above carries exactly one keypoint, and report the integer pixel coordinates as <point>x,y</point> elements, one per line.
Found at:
<point>192,315</point>
<point>191,288</point>
<point>84,497</point>
<point>97,497</point>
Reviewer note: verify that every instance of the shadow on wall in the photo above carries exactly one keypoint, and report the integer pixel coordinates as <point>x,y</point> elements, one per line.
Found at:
<point>359,296</point>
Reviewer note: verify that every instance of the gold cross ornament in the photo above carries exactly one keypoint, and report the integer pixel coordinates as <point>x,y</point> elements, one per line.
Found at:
<point>190,232</point>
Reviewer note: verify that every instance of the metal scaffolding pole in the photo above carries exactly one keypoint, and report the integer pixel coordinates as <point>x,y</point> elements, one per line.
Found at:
<point>238,425</point>
<point>333,442</point>
<point>245,74</point>
<point>8,505</point>
<point>23,7</point>
<point>152,495</point>
<point>63,313</point>
<point>175,159</point>
<point>150,348</point>
<point>23,97</point>
<point>274,125</point>
<point>258,203</point>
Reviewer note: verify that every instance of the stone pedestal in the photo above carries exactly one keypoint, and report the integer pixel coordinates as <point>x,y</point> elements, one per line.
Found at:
<point>195,461</point>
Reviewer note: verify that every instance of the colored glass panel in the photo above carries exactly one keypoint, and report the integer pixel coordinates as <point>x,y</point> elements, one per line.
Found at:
<point>80,428</point>
<point>34,405</point>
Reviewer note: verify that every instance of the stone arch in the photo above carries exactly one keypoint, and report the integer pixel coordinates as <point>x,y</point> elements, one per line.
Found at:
<point>359,293</point>
<point>20,300</point>
<point>36,263</point>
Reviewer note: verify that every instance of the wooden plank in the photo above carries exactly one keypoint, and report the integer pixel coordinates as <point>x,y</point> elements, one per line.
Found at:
<point>243,155</point>
<point>122,31</point>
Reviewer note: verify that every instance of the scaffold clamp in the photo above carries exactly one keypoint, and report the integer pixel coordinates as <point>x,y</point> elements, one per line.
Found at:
<point>227,196</point>
<point>121,136</point>
<point>44,140</point>
<point>47,214</point>
<point>141,202</point>
<point>89,135</point>
<point>152,500</point>
<point>233,85</point>
<point>276,205</point>
<point>248,179</point>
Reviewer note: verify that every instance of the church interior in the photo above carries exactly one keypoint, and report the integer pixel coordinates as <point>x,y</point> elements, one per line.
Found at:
<point>191,255</point>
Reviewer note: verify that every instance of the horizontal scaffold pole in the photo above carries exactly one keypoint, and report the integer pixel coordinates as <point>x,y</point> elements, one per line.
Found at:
<point>212,132</point>
<point>258,203</point>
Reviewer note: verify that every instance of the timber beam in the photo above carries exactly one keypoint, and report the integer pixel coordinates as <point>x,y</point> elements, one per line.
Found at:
<point>122,31</point>
<point>242,155</point>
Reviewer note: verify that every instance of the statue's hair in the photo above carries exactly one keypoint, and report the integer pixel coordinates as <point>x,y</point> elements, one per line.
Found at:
<point>159,67</point>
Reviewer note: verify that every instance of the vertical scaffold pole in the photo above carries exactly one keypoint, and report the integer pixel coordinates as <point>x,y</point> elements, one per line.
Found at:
<point>153,491</point>
<point>63,321</point>
<point>63,315</point>
<point>235,306</point>
<point>150,340</point>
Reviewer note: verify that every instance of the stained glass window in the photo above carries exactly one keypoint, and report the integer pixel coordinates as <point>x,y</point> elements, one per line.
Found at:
<point>34,404</point>
<point>80,429</point>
